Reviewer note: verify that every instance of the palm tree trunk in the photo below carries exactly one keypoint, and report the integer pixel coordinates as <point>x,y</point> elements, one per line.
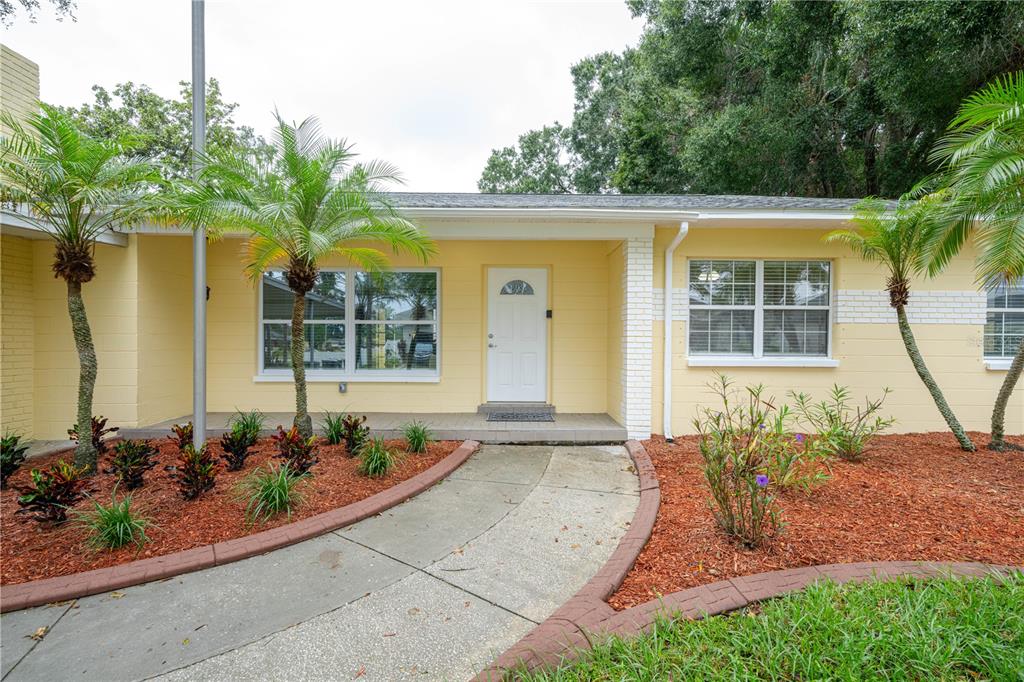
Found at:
<point>303,422</point>
<point>999,409</point>
<point>85,453</point>
<point>922,371</point>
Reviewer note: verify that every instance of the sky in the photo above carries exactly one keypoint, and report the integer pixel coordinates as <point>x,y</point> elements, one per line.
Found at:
<point>431,87</point>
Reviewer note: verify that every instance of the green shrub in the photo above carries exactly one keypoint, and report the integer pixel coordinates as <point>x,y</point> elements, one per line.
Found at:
<point>132,458</point>
<point>182,435</point>
<point>298,452</point>
<point>115,525</point>
<point>270,491</point>
<point>249,423</point>
<point>376,459</point>
<point>841,429</point>
<point>334,428</point>
<point>12,456</point>
<point>235,444</point>
<point>355,433</point>
<point>417,436</point>
<point>734,450</point>
<point>99,430</point>
<point>52,493</point>
<point>196,471</point>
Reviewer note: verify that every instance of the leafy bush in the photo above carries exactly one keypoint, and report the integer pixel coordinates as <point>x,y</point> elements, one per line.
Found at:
<point>354,432</point>
<point>115,525</point>
<point>842,430</point>
<point>12,456</point>
<point>52,492</point>
<point>99,430</point>
<point>249,423</point>
<point>271,491</point>
<point>734,449</point>
<point>236,444</point>
<point>376,459</point>
<point>298,452</point>
<point>196,471</point>
<point>334,428</point>
<point>132,458</point>
<point>182,434</point>
<point>417,436</point>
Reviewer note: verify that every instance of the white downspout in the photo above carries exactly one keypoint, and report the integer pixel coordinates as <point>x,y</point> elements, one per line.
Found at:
<point>666,399</point>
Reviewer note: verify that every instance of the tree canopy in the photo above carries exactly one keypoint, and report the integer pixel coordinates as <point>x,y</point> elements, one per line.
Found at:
<point>840,98</point>
<point>160,128</point>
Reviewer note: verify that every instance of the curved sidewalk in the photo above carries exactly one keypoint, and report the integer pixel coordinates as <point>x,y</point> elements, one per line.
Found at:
<point>432,589</point>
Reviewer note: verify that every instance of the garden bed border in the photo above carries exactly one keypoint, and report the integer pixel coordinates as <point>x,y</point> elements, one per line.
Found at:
<point>587,619</point>
<point>61,588</point>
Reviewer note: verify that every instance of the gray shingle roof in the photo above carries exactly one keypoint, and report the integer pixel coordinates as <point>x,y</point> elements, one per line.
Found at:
<point>656,202</point>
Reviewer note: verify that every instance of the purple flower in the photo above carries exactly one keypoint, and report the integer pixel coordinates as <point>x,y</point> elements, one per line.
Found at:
<point>761,426</point>
<point>799,438</point>
<point>762,481</point>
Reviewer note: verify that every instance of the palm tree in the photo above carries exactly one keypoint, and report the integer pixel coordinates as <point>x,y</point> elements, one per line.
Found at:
<point>307,202</point>
<point>75,188</point>
<point>981,183</point>
<point>896,239</point>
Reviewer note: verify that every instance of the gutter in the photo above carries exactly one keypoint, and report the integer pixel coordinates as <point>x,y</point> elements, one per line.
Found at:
<point>666,399</point>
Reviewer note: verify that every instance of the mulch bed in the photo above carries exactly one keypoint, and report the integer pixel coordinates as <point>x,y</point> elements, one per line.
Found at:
<point>913,497</point>
<point>30,551</point>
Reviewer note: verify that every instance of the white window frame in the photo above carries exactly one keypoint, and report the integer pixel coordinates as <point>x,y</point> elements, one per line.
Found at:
<point>350,374</point>
<point>997,362</point>
<point>757,358</point>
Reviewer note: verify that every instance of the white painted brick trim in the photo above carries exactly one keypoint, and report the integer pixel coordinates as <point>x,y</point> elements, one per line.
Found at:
<point>871,306</point>
<point>637,336</point>
<point>680,307</point>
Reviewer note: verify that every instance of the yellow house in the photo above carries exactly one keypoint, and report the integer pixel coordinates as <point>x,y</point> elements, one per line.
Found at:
<point>611,310</point>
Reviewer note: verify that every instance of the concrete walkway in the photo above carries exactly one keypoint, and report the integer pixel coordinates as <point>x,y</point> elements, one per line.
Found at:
<point>433,589</point>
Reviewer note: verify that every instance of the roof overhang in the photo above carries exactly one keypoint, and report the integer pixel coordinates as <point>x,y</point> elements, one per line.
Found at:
<point>13,223</point>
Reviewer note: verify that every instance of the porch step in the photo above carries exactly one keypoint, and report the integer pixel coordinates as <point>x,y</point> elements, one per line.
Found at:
<point>516,408</point>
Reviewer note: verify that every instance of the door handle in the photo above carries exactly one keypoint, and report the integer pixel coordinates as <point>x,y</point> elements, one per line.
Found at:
<point>492,345</point>
<point>490,336</point>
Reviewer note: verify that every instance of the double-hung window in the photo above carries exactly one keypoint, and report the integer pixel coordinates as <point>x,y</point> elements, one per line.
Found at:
<point>1004,320</point>
<point>357,324</point>
<point>760,308</point>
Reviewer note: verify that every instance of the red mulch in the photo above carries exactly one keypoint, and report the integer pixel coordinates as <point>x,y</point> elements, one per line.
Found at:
<point>30,551</point>
<point>913,497</point>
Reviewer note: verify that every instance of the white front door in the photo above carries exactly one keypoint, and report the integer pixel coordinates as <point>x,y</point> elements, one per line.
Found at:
<point>517,341</point>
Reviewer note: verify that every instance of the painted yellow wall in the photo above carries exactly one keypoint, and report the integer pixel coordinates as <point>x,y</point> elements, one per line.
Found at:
<point>578,333</point>
<point>16,332</point>
<point>165,327</point>
<point>871,355</point>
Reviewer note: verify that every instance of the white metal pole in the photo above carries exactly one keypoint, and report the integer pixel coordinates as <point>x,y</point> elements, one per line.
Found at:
<point>199,236</point>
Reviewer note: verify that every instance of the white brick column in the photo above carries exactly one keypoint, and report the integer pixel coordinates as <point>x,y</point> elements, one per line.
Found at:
<point>637,336</point>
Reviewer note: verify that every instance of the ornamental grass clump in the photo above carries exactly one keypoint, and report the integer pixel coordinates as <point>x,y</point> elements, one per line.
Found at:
<point>250,423</point>
<point>417,436</point>
<point>52,493</point>
<point>376,459</point>
<point>334,428</point>
<point>115,525</point>
<point>196,471</point>
<point>355,433</point>
<point>99,430</point>
<point>132,459</point>
<point>735,445</point>
<point>842,430</point>
<point>298,452</point>
<point>12,456</point>
<point>270,491</point>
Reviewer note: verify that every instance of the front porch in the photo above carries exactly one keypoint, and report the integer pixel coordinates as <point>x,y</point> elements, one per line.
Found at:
<point>566,428</point>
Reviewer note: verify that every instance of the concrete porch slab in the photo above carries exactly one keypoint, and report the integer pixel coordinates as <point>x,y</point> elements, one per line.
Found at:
<point>566,429</point>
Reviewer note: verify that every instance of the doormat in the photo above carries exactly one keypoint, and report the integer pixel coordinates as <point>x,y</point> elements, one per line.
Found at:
<point>520,417</point>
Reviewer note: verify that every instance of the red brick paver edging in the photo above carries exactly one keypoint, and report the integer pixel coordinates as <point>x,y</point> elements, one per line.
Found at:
<point>47,590</point>
<point>587,619</point>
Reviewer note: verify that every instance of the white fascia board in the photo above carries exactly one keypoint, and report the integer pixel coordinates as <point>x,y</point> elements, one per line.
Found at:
<point>551,214</point>
<point>14,224</point>
<point>787,215</point>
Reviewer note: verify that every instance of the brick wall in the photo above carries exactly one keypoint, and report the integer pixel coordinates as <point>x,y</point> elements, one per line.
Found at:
<point>637,341</point>
<point>925,307</point>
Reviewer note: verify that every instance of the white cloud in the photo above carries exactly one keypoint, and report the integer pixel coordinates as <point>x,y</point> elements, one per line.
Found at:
<point>429,86</point>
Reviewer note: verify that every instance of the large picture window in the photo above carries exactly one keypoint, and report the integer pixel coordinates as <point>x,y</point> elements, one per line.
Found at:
<point>1004,320</point>
<point>357,324</point>
<point>760,308</point>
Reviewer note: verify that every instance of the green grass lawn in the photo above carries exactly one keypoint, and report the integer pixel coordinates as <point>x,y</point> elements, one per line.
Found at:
<point>940,629</point>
